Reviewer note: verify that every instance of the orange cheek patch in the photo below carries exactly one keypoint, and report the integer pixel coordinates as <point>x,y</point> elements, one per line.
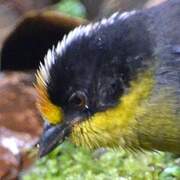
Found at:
<point>52,113</point>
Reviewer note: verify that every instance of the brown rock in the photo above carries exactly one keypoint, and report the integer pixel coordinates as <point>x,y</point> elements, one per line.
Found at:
<point>17,103</point>
<point>12,10</point>
<point>8,164</point>
<point>20,122</point>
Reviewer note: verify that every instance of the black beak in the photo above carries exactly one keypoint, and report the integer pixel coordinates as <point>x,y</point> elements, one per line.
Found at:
<point>51,137</point>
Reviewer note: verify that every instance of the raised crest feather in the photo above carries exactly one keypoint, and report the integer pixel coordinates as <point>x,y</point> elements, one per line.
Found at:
<point>81,31</point>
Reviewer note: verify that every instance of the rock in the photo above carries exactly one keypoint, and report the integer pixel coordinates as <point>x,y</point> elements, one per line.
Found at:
<point>12,10</point>
<point>23,50</point>
<point>20,122</point>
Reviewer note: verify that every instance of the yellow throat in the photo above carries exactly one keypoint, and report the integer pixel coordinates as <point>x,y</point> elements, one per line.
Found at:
<point>134,123</point>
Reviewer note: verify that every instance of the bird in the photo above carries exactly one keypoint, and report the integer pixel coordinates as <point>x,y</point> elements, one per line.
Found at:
<point>114,83</point>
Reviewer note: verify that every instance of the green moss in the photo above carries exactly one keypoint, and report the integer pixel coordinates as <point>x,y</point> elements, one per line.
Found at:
<point>72,8</point>
<point>68,162</point>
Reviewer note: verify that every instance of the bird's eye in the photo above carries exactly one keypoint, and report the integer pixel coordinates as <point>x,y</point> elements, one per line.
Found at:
<point>78,100</point>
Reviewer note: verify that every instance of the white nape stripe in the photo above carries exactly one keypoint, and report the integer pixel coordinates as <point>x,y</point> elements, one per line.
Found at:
<point>83,30</point>
<point>126,15</point>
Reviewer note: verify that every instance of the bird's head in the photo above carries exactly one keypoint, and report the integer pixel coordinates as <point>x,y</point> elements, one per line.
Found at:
<point>80,86</point>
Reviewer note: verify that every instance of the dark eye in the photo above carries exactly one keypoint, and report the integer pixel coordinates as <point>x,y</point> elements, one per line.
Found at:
<point>78,100</point>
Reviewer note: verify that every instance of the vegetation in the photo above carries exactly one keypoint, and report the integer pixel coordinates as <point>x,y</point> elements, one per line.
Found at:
<point>70,163</point>
<point>72,8</point>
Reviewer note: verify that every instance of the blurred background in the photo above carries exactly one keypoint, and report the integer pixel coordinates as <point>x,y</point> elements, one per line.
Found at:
<point>27,29</point>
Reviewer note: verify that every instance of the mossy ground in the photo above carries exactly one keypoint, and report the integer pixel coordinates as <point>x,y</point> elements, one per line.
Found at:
<point>70,163</point>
